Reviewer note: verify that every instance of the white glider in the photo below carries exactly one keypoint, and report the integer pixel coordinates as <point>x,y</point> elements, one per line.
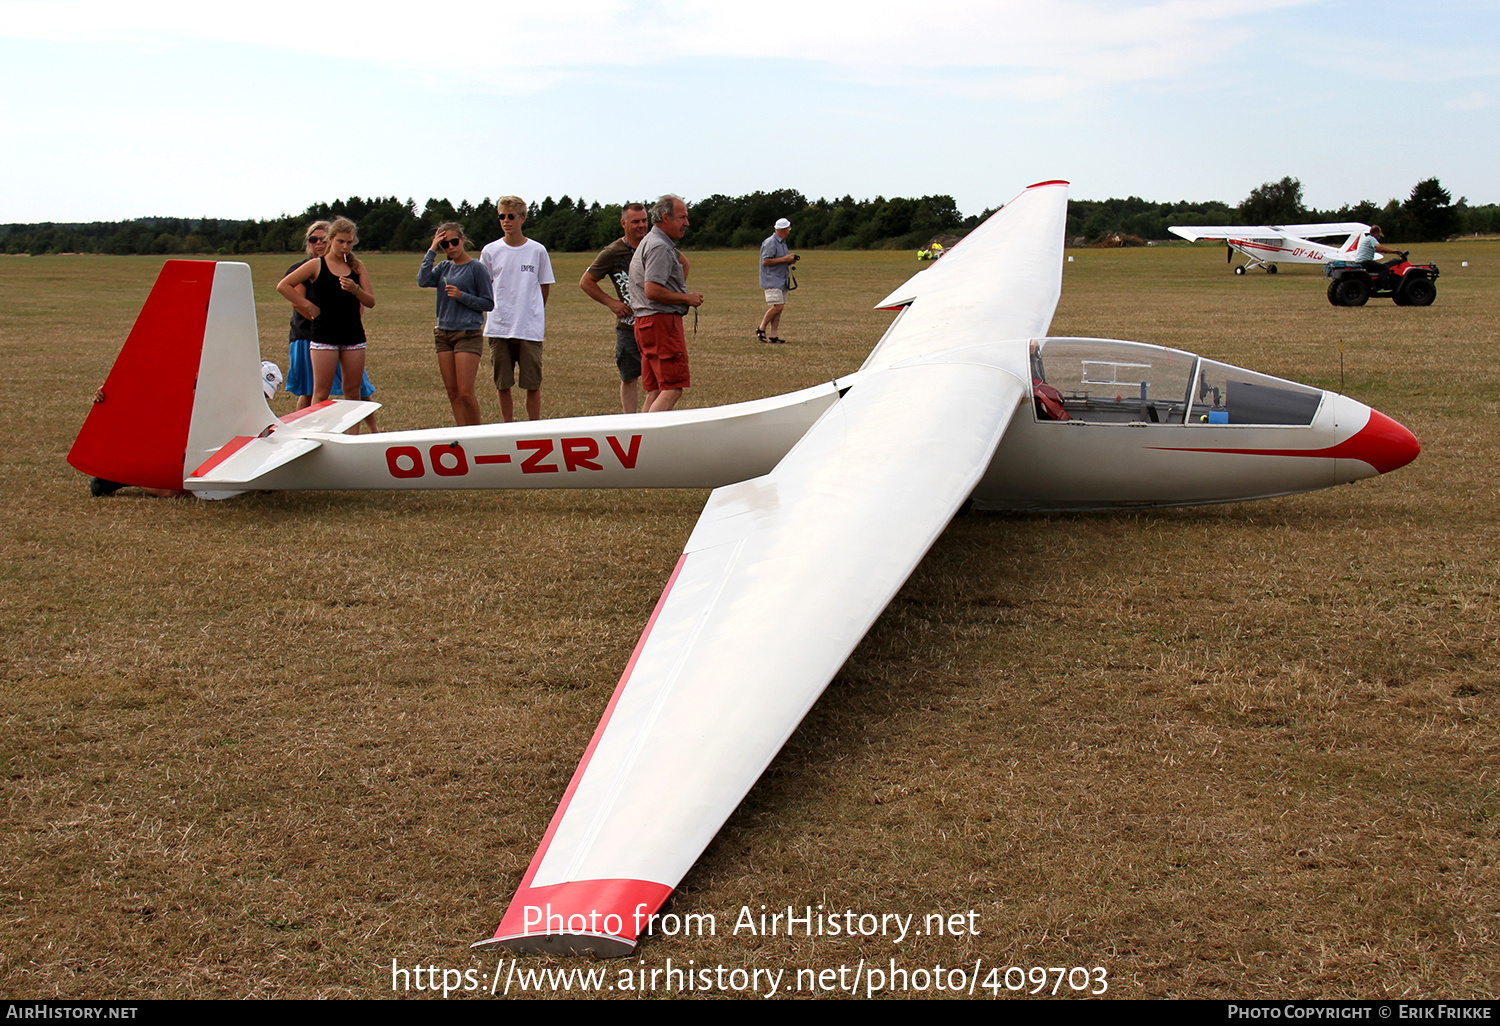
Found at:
<point>825,500</point>
<point>1265,245</point>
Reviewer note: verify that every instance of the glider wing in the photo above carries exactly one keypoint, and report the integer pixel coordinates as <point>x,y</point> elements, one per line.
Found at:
<point>779,581</point>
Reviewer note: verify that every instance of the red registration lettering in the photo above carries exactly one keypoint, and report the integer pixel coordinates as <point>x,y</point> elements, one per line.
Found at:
<point>579,453</point>
<point>533,464</point>
<point>455,452</point>
<point>396,453</point>
<point>626,458</point>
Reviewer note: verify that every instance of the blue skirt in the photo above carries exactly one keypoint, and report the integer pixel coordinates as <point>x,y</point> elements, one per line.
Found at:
<point>299,378</point>
<point>299,374</point>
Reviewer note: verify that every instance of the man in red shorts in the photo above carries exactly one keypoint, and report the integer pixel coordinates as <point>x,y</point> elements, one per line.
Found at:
<point>659,298</point>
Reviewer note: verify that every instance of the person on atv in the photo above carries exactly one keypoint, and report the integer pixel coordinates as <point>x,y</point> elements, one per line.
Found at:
<point>1369,246</point>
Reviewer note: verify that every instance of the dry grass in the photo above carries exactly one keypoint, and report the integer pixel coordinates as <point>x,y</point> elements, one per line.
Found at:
<point>263,747</point>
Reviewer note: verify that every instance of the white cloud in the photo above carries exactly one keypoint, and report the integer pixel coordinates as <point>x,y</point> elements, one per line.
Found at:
<point>1080,40</point>
<point>1472,101</point>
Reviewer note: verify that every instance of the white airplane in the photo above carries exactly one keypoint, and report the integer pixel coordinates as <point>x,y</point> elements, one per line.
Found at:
<point>825,500</point>
<point>1265,245</point>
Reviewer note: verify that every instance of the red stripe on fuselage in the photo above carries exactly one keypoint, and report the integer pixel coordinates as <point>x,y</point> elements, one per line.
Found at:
<point>1247,244</point>
<point>1383,443</point>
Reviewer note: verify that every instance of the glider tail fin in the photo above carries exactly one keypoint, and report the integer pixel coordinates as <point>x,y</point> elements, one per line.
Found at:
<point>186,381</point>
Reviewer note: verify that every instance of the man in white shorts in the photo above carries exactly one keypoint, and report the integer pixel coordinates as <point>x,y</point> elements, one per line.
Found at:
<point>776,278</point>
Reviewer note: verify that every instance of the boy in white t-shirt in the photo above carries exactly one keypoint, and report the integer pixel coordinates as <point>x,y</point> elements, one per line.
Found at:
<point>521,277</point>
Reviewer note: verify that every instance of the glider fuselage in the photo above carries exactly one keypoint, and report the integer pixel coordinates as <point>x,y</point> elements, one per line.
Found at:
<point>1116,449</point>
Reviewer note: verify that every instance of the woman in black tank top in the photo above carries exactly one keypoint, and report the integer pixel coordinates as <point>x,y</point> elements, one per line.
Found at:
<point>338,287</point>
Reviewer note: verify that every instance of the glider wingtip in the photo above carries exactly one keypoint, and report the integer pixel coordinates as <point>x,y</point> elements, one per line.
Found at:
<point>599,945</point>
<point>1050,181</point>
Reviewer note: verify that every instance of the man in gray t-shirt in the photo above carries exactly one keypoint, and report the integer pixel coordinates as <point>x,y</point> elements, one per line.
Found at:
<point>776,278</point>
<point>614,263</point>
<point>659,298</point>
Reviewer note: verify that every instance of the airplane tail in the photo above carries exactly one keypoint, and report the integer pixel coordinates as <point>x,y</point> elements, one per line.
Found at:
<point>186,381</point>
<point>184,395</point>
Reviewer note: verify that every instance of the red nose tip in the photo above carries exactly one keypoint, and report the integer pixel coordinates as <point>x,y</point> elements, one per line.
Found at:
<point>1383,444</point>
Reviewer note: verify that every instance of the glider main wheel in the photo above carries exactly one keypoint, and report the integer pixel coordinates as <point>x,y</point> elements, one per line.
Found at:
<point>1419,292</point>
<point>1270,268</point>
<point>1352,291</point>
<point>1240,269</point>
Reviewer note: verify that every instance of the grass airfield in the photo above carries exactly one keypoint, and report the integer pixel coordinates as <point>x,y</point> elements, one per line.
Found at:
<point>264,747</point>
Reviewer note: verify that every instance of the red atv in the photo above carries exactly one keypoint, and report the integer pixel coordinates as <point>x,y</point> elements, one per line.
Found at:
<point>1408,284</point>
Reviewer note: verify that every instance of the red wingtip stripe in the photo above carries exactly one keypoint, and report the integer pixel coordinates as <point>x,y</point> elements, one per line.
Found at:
<point>617,909</point>
<point>588,896</point>
<point>1054,181</point>
<point>295,414</point>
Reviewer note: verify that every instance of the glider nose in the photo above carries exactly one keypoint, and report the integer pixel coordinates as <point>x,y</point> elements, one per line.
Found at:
<point>1385,444</point>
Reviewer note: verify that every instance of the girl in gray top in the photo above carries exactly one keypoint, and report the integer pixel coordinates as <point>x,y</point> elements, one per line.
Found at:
<point>464,294</point>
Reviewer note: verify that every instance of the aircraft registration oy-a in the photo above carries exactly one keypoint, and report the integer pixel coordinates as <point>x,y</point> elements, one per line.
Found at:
<point>824,502</point>
<point>1264,245</point>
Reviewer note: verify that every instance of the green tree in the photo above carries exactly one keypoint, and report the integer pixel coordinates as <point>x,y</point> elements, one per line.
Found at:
<point>1430,216</point>
<point>1274,203</point>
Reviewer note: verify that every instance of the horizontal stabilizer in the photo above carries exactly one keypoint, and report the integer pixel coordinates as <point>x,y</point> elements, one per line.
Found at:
<point>331,416</point>
<point>242,460</point>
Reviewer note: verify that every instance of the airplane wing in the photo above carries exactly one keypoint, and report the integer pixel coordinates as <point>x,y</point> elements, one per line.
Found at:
<point>1318,231</point>
<point>781,578</point>
<point>1194,233</point>
<point>1001,281</point>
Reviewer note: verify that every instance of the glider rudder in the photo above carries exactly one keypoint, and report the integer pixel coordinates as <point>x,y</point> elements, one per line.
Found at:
<point>139,433</point>
<point>186,381</point>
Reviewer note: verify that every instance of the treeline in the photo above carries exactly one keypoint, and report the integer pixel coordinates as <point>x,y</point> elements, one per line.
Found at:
<point>1427,215</point>
<point>572,225</point>
<point>563,226</point>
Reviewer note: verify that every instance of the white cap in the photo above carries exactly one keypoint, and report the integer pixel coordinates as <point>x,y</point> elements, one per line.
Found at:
<point>270,377</point>
<point>781,223</point>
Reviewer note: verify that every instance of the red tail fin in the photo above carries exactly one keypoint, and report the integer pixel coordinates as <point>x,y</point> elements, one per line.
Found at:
<point>138,435</point>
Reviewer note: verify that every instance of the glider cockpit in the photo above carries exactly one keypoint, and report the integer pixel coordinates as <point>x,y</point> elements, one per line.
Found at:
<point>1108,381</point>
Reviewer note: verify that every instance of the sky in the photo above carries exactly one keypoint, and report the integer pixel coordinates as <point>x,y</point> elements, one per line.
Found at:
<point>254,110</point>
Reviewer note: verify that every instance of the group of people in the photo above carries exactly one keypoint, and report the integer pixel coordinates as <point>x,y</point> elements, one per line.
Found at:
<point>502,296</point>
